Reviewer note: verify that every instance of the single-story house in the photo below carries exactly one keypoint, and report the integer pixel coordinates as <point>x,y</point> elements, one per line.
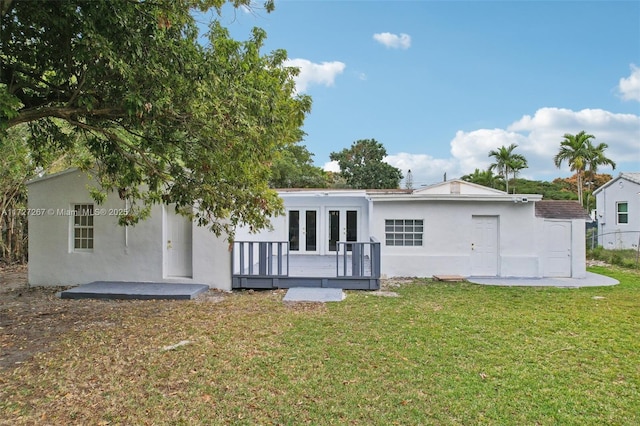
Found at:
<point>618,212</point>
<point>451,228</point>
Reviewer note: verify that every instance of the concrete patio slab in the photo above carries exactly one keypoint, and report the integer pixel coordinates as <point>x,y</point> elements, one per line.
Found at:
<point>314,294</point>
<point>591,280</point>
<point>134,290</point>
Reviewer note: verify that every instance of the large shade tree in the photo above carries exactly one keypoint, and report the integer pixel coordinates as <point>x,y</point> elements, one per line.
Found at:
<point>294,168</point>
<point>581,155</point>
<point>167,115</point>
<point>362,166</point>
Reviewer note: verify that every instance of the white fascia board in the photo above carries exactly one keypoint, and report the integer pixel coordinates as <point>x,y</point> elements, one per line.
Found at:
<point>444,197</point>
<point>320,193</point>
<point>51,176</point>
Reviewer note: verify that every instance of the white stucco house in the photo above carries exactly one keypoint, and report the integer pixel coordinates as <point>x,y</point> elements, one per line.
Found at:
<point>618,212</point>
<point>451,228</point>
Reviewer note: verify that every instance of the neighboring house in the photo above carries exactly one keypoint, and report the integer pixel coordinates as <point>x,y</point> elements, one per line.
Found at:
<point>618,212</point>
<point>451,228</point>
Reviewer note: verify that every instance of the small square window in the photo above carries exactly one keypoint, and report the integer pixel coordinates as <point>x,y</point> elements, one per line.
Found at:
<point>403,232</point>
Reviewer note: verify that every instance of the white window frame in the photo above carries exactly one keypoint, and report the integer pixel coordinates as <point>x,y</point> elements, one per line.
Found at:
<point>82,227</point>
<point>619,213</point>
<point>404,232</point>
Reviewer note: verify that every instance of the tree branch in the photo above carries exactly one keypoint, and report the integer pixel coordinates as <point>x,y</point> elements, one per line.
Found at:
<point>65,113</point>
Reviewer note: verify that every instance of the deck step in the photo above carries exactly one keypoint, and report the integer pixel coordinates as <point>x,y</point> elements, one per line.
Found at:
<point>448,278</point>
<point>311,294</point>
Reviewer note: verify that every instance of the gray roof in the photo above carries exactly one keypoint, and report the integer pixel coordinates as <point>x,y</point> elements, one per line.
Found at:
<point>560,209</point>
<point>633,177</point>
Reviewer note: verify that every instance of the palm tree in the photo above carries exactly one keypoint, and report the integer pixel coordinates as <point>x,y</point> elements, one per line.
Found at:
<point>505,159</point>
<point>597,158</point>
<point>579,153</point>
<point>517,163</point>
<point>483,177</point>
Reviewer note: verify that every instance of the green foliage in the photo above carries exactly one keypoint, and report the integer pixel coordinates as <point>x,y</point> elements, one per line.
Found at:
<point>627,258</point>
<point>362,166</point>
<point>293,168</point>
<point>164,118</point>
<point>485,178</point>
<point>20,162</point>
<point>556,190</point>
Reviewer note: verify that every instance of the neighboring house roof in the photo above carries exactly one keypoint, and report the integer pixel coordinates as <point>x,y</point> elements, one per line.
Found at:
<point>561,209</point>
<point>630,176</point>
<point>633,177</point>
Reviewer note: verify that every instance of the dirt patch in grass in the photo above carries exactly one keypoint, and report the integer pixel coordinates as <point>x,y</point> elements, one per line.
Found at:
<point>12,277</point>
<point>32,319</point>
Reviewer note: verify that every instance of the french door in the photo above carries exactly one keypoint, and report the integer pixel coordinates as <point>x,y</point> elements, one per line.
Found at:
<point>303,231</point>
<point>342,226</point>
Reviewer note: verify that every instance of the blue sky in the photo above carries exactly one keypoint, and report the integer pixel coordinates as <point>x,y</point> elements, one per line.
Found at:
<point>440,84</point>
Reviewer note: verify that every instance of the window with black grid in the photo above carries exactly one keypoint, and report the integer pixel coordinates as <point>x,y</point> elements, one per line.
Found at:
<point>403,232</point>
<point>83,227</point>
<point>623,212</point>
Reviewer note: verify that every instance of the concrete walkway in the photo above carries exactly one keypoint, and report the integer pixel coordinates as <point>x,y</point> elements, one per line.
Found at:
<point>314,294</point>
<point>591,280</point>
<point>134,290</point>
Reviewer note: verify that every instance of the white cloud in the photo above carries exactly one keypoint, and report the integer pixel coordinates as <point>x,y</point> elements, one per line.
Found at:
<point>331,166</point>
<point>425,169</point>
<point>538,138</point>
<point>630,87</point>
<point>312,73</point>
<point>544,131</point>
<point>393,41</point>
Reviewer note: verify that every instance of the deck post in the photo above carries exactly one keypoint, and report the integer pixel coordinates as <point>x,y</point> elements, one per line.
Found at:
<point>356,259</point>
<point>279,258</point>
<point>250,258</point>
<point>262,258</point>
<point>241,258</point>
<point>375,258</point>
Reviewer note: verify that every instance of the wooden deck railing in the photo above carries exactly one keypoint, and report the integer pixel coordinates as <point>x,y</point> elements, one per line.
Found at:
<point>270,264</point>
<point>257,258</point>
<point>351,259</point>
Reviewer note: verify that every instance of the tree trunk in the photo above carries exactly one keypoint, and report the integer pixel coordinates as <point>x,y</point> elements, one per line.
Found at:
<point>579,182</point>
<point>506,178</point>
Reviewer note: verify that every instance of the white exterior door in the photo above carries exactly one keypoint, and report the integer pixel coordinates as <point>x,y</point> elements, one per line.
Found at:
<point>342,225</point>
<point>484,246</point>
<point>303,231</point>
<point>557,249</point>
<point>178,245</point>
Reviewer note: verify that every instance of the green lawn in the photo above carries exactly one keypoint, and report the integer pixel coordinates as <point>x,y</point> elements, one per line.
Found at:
<point>438,354</point>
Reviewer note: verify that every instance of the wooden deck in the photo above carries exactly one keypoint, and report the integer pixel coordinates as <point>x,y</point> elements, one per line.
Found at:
<point>268,265</point>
